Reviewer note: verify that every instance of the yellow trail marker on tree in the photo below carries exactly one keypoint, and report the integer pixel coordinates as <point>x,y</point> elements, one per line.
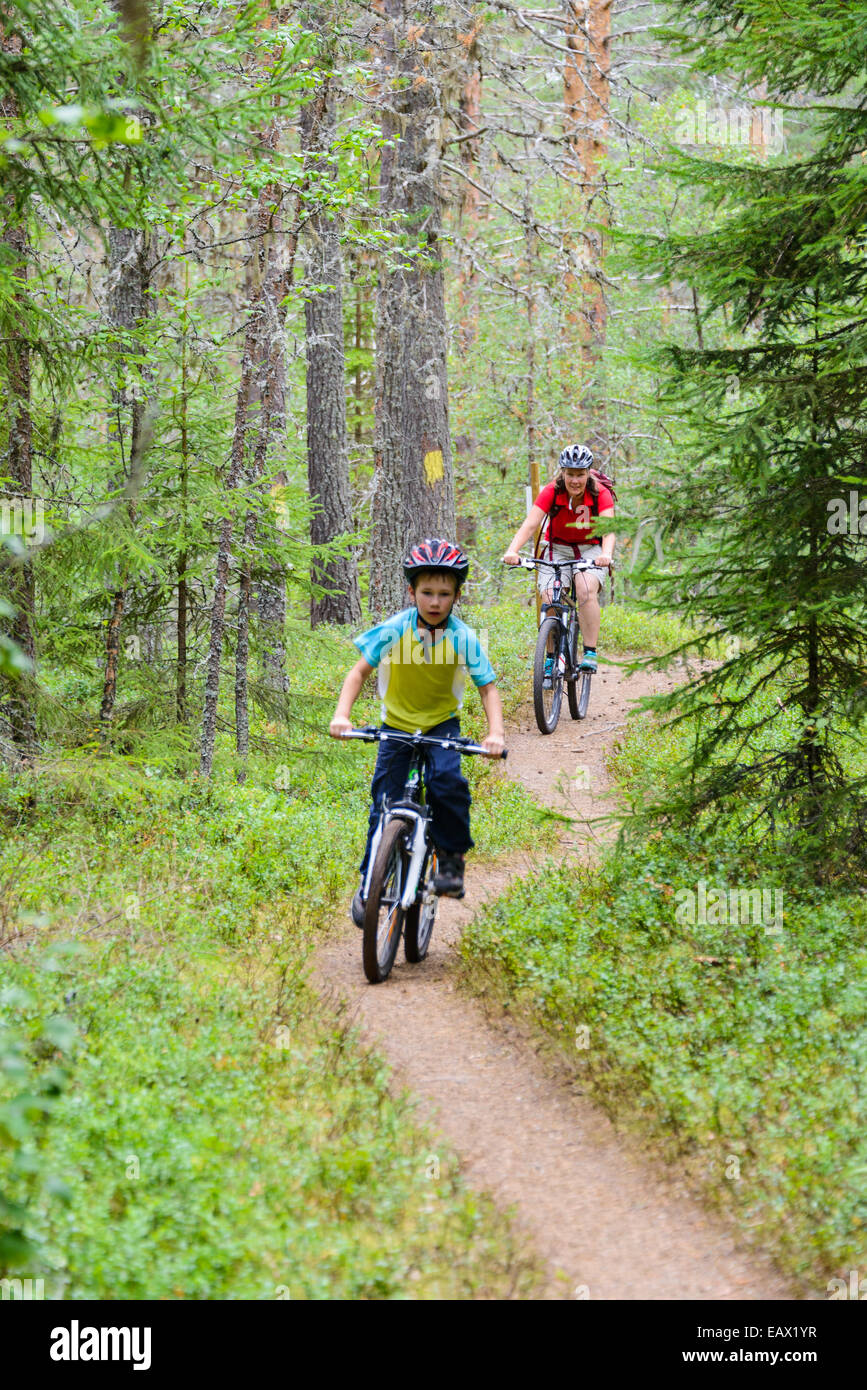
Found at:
<point>433,466</point>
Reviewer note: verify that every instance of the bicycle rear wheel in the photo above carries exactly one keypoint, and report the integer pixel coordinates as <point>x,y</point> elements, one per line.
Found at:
<point>546,703</point>
<point>419,924</point>
<point>383,914</point>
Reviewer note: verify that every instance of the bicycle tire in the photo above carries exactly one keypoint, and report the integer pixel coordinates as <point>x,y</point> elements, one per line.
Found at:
<point>386,880</point>
<point>547,712</point>
<point>419,923</point>
<point>572,687</point>
<point>584,694</point>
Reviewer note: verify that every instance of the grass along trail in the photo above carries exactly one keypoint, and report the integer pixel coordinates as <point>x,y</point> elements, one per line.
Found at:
<point>607,1221</point>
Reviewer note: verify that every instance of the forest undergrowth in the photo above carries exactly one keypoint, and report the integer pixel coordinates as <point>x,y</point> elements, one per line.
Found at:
<point>182,1116</point>
<point>703,986</point>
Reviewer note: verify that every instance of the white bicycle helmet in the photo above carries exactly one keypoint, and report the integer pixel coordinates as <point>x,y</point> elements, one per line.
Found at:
<point>576,456</point>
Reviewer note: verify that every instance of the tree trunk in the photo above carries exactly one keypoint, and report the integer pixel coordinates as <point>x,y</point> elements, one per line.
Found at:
<point>587,93</point>
<point>181,689</point>
<point>271,391</point>
<point>359,343</point>
<point>22,591</point>
<point>530,241</point>
<point>128,307</point>
<point>260,398</point>
<point>413,490</point>
<point>471,197</point>
<point>242,651</point>
<point>112,657</point>
<point>327,453</point>
<point>183,558</point>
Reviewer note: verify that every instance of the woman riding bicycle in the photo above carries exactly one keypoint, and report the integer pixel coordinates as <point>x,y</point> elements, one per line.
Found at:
<point>571,506</point>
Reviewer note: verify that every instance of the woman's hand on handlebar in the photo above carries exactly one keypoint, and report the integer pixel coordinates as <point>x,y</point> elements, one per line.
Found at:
<point>511,557</point>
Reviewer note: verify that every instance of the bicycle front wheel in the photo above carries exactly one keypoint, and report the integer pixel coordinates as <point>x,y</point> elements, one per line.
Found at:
<point>383,914</point>
<point>546,702</point>
<point>419,924</point>
<point>575,687</point>
<point>583,684</point>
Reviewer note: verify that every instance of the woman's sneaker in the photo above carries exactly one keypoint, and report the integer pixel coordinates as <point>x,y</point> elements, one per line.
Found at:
<point>548,678</point>
<point>589,662</point>
<point>449,877</point>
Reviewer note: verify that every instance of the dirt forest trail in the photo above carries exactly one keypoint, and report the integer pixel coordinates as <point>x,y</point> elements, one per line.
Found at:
<point>606,1222</point>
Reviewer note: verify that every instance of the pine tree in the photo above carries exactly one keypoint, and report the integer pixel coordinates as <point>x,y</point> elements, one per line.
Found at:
<point>776,407</point>
<point>327,449</point>
<point>15,252</point>
<point>413,492</point>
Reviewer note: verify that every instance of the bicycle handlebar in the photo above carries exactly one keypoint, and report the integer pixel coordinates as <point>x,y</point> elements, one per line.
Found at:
<point>372,734</point>
<point>527,562</point>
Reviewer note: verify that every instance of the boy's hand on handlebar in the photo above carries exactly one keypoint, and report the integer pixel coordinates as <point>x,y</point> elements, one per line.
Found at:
<point>339,726</point>
<point>494,744</point>
<point>511,557</point>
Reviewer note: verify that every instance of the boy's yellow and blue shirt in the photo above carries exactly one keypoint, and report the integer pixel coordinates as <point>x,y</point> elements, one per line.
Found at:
<point>421,674</point>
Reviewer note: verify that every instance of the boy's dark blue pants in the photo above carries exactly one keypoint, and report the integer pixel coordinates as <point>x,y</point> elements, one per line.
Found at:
<point>448,793</point>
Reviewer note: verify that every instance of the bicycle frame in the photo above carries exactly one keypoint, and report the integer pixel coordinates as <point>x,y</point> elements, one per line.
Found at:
<point>566,610</point>
<point>411,808</point>
<point>562,600</point>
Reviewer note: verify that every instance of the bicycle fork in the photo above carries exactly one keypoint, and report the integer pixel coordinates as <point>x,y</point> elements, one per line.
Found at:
<point>417,850</point>
<point>416,857</point>
<point>561,650</point>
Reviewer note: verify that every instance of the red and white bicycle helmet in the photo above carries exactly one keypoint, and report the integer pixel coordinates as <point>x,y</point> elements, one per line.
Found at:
<point>436,554</point>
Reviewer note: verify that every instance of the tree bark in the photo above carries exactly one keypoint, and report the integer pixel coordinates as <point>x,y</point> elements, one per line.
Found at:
<point>242,651</point>
<point>183,558</point>
<point>22,589</point>
<point>413,489</point>
<point>129,255</point>
<point>587,97</point>
<point>112,656</point>
<point>327,450</point>
<point>260,401</point>
<point>359,343</point>
<point>271,573</point>
<point>530,242</point>
<point>181,688</point>
<point>471,197</point>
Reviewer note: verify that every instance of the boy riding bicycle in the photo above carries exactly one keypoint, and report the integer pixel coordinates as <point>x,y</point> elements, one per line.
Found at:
<point>422,654</point>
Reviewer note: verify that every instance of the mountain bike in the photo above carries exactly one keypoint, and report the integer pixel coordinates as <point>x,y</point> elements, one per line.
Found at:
<point>399,884</point>
<point>558,639</point>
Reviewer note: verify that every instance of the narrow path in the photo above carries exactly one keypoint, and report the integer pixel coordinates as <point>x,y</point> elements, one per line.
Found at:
<point>608,1223</point>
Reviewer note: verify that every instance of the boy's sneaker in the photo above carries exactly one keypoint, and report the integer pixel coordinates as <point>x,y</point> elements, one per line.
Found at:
<point>449,878</point>
<point>548,678</point>
<point>589,662</point>
<point>356,911</point>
